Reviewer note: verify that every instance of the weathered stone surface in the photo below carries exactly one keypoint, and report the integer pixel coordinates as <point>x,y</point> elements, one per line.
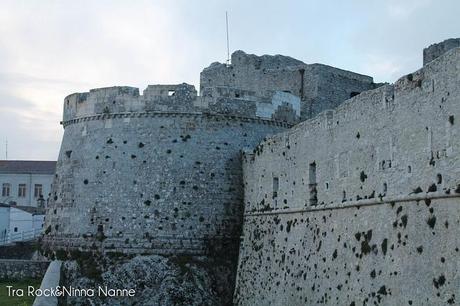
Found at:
<point>157,280</point>
<point>20,250</point>
<point>398,253</point>
<point>158,173</point>
<point>319,87</point>
<point>436,50</point>
<point>155,183</point>
<point>358,205</point>
<point>20,269</point>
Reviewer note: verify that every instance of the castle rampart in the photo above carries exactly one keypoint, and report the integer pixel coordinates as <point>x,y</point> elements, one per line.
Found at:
<point>436,50</point>
<point>319,87</point>
<point>356,205</point>
<point>181,98</point>
<point>156,173</point>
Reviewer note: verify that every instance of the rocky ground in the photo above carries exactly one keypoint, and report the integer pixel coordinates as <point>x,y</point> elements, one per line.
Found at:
<point>157,280</point>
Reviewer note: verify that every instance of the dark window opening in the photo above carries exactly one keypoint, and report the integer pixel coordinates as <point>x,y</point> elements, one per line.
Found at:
<point>354,93</point>
<point>38,190</point>
<point>275,187</point>
<point>22,190</point>
<point>6,189</point>
<point>312,184</point>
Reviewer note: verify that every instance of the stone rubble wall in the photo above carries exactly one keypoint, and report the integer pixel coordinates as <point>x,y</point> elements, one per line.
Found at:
<point>319,87</point>
<point>359,204</point>
<point>436,50</point>
<point>19,269</point>
<point>181,98</point>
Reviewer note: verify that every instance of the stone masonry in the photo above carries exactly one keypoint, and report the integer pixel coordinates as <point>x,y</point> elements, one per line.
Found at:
<point>157,173</point>
<point>22,269</point>
<point>347,191</point>
<point>160,172</point>
<point>436,50</point>
<point>359,205</point>
<point>319,87</point>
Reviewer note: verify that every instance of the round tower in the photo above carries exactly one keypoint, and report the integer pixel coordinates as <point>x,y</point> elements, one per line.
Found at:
<point>157,173</point>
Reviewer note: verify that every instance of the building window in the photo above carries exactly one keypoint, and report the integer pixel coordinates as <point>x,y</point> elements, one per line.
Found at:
<point>22,190</point>
<point>38,190</point>
<point>6,189</point>
<point>15,229</point>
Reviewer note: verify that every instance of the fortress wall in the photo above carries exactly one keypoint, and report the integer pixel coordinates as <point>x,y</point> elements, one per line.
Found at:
<point>436,50</point>
<point>161,183</point>
<point>181,98</point>
<point>319,86</point>
<point>358,205</point>
<point>122,99</point>
<point>332,87</point>
<point>385,254</point>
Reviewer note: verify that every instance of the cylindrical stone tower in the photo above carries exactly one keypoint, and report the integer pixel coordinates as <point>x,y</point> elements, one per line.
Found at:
<point>158,173</point>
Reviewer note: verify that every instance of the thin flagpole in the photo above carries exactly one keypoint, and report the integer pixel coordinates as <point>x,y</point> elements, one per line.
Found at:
<point>228,41</point>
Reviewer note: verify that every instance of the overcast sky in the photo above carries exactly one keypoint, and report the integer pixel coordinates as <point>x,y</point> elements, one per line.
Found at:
<point>49,49</point>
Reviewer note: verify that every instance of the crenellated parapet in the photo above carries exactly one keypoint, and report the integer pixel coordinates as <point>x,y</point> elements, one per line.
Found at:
<point>124,99</point>
<point>436,50</point>
<point>319,87</point>
<point>181,98</point>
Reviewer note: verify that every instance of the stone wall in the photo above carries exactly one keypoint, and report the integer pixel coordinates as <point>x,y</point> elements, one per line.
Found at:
<point>158,173</point>
<point>181,98</point>
<point>18,269</point>
<point>162,181</point>
<point>436,50</point>
<point>320,87</point>
<point>19,250</point>
<point>359,205</point>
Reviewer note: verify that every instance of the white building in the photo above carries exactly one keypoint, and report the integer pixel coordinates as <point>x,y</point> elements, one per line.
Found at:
<point>19,223</point>
<point>4,221</point>
<point>26,183</point>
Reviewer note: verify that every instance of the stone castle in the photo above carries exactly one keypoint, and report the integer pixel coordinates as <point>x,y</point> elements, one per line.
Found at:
<point>305,183</point>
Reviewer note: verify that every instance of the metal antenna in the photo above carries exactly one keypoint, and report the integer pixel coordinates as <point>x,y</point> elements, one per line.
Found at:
<point>228,43</point>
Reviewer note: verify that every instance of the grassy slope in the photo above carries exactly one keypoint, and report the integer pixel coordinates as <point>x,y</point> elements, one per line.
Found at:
<point>17,301</point>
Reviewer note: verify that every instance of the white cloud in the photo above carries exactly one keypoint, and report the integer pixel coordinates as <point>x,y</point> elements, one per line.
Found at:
<point>50,48</point>
<point>403,9</point>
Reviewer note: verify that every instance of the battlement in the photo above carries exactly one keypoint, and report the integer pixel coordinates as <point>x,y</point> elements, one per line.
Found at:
<point>333,208</point>
<point>436,50</point>
<point>273,87</point>
<point>319,87</point>
<point>241,58</point>
<point>182,98</point>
